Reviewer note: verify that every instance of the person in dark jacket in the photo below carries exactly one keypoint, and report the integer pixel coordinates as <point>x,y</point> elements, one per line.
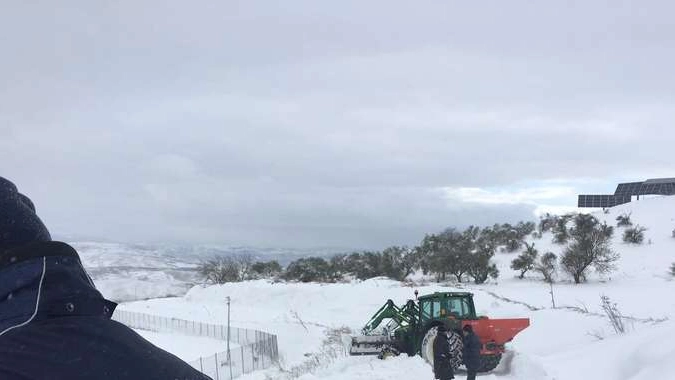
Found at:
<point>54,324</point>
<point>442,356</point>
<point>471,352</point>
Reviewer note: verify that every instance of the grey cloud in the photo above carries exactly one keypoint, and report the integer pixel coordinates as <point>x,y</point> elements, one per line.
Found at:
<point>317,123</point>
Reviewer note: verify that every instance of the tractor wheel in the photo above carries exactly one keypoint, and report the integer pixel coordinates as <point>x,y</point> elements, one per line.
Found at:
<point>455,342</point>
<point>489,362</point>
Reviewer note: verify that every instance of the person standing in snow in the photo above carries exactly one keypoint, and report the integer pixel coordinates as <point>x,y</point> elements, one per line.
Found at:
<point>54,324</point>
<point>471,352</point>
<point>442,356</point>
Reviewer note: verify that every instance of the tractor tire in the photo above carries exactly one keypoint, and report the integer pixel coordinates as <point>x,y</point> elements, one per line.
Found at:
<point>489,362</point>
<point>455,342</point>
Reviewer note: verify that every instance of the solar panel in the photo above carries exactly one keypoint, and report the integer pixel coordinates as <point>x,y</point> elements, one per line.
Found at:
<point>602,201</point>
<point>625,191</point>
<point>657,188</point>
<point>630,188</point>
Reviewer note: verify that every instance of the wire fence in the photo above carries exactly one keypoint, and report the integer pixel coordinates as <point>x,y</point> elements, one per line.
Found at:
<point>257,349</point>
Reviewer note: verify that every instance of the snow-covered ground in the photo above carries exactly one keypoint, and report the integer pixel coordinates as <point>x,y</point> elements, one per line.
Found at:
<point>560,344</point>
<point>188,348</point>
<point>125,272</point>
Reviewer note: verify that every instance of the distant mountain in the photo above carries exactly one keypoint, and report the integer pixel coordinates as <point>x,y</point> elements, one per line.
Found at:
<point>127,272</point>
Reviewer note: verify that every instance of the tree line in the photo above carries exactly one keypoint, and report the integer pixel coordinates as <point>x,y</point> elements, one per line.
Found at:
<point>458,254</point>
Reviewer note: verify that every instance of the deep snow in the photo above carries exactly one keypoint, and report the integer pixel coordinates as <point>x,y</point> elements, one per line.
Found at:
<point>561,343</point>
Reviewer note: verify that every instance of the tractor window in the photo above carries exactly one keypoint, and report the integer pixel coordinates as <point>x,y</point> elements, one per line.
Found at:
<point>436,309</point>
<point>459,308</point>
<point>426,310</point>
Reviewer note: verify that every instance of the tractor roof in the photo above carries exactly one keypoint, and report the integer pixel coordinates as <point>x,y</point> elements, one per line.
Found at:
<point>446,295</point>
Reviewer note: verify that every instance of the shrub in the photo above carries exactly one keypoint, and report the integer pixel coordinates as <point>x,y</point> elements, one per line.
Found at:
<point>613,314</point>
<point>623,220</point>
<point>525,261</point>
<point>547,222</point>
<point>672,270</point>
<point>607,230</point>
<point>547,266</point>
<point>310,269</point>
<point>223,269</point>
<point>266,269</point>
<point>561,233</point>
<point>634,235</point>
<point>589,247</point>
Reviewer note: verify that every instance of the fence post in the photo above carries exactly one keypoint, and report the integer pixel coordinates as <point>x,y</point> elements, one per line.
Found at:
<point>201,365</point>
<point>229,362</point>
<point>243,365</point>
<point>253,355</point>
<point>217,368</point>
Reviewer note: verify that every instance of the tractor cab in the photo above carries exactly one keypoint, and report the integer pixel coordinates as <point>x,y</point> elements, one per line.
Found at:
<point>442,306</point>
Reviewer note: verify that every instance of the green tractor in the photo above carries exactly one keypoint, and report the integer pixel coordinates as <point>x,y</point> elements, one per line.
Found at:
<point>411,329</point>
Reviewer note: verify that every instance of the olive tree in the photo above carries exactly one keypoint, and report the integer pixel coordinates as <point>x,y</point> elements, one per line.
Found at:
<point>589,246</point>
<point>525,261</point>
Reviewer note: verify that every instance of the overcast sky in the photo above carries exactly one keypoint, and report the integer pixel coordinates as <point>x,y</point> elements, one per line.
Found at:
<point>327,123</point>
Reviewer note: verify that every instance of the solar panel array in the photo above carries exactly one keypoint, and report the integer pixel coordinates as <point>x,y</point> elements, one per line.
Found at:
<point>631,188</point>
<point>624,192</point>
<point>602,201</point>
<point>658,188</point>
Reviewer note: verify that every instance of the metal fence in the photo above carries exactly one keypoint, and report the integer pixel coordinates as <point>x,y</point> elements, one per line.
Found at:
<point>257,349</point>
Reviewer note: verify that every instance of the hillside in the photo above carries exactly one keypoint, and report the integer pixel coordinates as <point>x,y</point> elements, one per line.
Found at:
<point>573,341</point>
<point>131,272</point>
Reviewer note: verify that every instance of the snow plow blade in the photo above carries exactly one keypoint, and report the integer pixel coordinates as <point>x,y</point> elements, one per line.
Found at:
<point>369,344</point>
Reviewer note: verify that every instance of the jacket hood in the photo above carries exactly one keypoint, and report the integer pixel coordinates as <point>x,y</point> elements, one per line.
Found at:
<point>19,224</point>
<point>45,280</point>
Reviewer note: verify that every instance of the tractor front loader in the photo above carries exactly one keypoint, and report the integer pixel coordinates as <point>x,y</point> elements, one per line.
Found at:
<point>411,329</point>
<point>389,339</point>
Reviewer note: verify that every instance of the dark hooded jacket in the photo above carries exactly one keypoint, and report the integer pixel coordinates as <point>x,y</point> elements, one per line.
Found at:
<point>55,325</point>
<point>442,367</point>
<point>471,351</point>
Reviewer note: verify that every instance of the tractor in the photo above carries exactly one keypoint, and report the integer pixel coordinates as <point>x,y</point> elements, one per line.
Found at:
<point>411,329</point>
